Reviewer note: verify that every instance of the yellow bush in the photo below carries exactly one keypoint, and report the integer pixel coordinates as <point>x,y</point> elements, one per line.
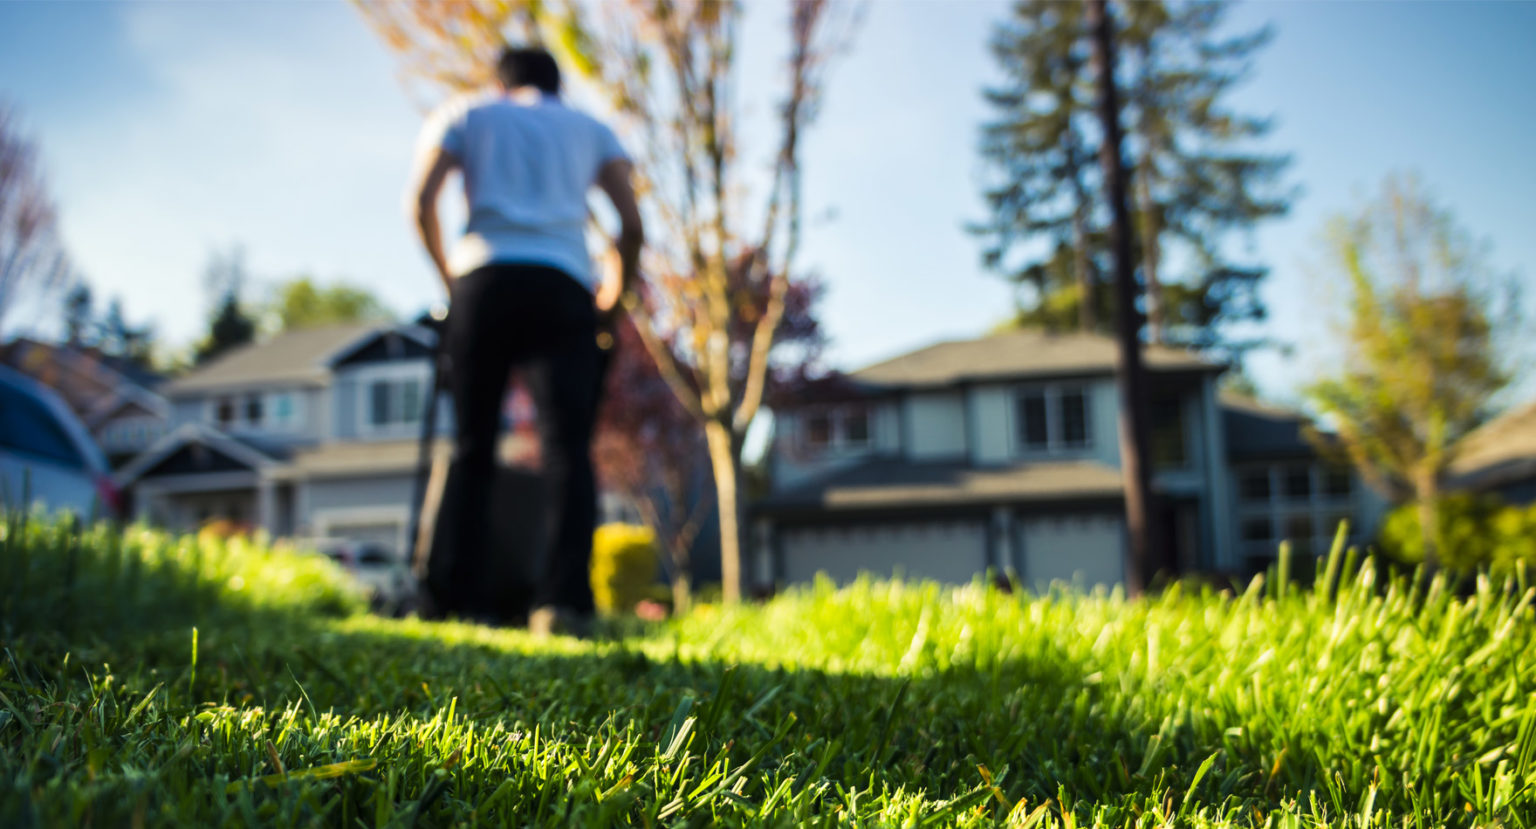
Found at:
<point>624,560</point>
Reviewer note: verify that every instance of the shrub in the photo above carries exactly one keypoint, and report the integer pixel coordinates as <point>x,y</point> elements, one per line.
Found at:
<point>624,560</point>
<point>1476,531</point>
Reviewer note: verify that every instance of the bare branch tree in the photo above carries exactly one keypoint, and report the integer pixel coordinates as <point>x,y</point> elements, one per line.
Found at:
<point>718,271</point>
<point>32,257</point>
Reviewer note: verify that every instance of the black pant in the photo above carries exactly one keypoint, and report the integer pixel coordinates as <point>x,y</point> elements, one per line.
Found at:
<point>506,316</point>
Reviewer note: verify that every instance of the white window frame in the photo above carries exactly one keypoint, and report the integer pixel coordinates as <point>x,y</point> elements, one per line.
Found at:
<point>1186,437</point>
<point>395,373</point>
<point>838,416</point>
<point>1278,507</point>
<point>295,420</point>
<point>269,397</point>
<point>1055,440</point>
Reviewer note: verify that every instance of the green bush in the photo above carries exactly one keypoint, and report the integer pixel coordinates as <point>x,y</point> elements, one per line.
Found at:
<point>56,574</point>
<point>624,560</point>
<point>1476,531</point>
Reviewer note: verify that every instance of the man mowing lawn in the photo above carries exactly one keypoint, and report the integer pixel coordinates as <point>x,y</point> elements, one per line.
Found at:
<point>521,290</point>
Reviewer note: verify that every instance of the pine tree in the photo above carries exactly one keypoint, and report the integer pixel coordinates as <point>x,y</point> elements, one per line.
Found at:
<point>1195,174</point>
<point>230,325</point>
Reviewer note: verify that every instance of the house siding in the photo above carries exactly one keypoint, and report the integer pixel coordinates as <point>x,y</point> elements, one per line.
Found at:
<point>938,427</point>
<point>358,493</point>
<point>187,410</point>
<point>1105,429</point>
<point>991,425</point>
<point>344,407</point>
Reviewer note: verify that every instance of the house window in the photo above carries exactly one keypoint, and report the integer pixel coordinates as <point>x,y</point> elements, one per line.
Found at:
<point>283,411</point>
<point>394,402</point>
<point>1169,446</point>
<point>1299,531</point>
<point>838,428</point>
<point>1054,418</point>
<point>1034,426</point>
<point>378,403</point>
<point>818,430</point>
<point>1255,485</point>
<point>1257,530</point>
<point>253,410</point>
<point>1074,419</point>
<point>1338,482</point>
<point>1299,503</point>
<point>855,427</point>
<point>224,412</point>
<point>1298,483</point>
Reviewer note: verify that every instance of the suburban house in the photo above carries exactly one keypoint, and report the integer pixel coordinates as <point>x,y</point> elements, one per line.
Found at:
<point>117,400</point>
<point>314,433</point>
<point>1500,458</point>
<point>1002,453</point>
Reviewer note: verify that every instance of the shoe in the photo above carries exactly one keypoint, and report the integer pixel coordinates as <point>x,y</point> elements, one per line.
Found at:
<point>549,620</point>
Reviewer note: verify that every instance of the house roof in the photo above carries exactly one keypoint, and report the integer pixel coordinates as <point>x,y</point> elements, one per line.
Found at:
<point>290,357</point>
<point>86,378</point>
<point>891,483</point>
<point>1260,430</point>
<point>1018,354</point>
<point>245,453</point>
<point>1502,450</point>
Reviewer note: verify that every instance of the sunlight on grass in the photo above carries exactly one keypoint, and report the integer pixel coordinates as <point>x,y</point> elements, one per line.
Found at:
<point>1365,702</point>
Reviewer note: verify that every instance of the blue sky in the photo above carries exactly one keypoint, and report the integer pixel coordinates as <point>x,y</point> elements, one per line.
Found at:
<point>172,130</point>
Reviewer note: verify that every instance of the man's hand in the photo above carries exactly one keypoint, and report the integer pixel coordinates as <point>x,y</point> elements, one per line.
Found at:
<point>431,175</point>
<point>613,178</point>
<point>610,291</point>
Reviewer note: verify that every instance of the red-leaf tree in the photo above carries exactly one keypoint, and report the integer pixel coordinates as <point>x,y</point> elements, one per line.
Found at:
<point>650,450</point>
<point>724,231</point>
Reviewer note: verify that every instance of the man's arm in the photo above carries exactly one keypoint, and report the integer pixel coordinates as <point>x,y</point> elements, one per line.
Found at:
<point>433,172</point>
<point>613,178</point>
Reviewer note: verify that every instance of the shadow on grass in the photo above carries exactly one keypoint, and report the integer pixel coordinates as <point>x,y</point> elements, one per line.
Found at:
<point>447,711</point>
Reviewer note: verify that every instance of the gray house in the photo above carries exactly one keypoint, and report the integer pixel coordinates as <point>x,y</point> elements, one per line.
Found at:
<point>1002,453</point>
<point>1500,458</point>
<point>311,434</point>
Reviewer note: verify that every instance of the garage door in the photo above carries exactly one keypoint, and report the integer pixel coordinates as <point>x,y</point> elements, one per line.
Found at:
<point>952,552</point>
<point>1083,550</point>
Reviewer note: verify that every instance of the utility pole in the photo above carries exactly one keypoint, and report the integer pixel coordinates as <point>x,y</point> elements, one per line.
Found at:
<point>1130,374</point>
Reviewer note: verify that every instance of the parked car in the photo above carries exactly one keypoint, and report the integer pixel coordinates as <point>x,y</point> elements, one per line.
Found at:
<point>46,455</point>
<point>384,575</point>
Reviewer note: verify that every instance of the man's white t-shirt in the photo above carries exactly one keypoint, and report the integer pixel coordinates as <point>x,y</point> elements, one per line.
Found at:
<point>528,164</point>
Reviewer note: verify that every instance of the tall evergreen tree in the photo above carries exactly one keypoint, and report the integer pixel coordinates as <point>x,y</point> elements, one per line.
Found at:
<point>79,314</point>
<point>119,338</point>
<point>1195,173</point>
<point>231,325</point>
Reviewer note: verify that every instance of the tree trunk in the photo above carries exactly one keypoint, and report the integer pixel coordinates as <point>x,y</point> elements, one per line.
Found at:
<point>1087,316</point>
<point>1130,376</point>
<point>1087,320</point>
<point>1151,253</point>
<point>682,590</point>
<point>727,468</point>
<point>1427,492</point>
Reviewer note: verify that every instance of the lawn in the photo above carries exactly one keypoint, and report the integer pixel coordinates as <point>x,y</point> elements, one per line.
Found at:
<point>149,680</point>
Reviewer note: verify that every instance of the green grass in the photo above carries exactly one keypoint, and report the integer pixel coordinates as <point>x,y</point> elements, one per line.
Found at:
<point>150,680</point>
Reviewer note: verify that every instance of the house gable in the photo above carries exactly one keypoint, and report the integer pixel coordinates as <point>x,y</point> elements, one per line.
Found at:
<point>387,345</point>
<point>196,459</point>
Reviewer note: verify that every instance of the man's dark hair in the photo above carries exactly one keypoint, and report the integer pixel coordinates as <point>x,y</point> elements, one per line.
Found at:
<point>528,66</point>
